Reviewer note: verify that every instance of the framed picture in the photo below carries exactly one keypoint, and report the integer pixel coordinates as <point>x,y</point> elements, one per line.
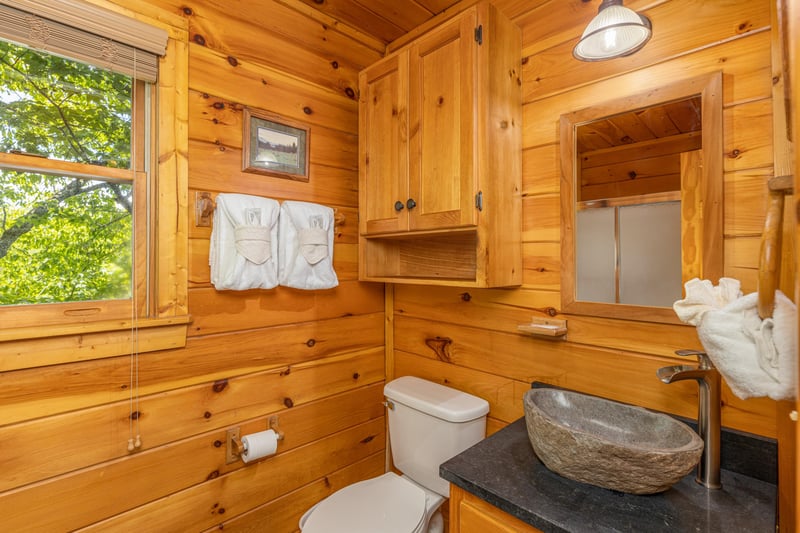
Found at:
<point>274,146</point>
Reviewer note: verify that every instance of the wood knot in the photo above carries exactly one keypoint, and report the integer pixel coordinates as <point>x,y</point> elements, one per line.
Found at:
<point>288,402</point>
<point>199,39</point>
<point>632,175</point>
<point>551,311</point>
<point>441,100</point>
<point>465,296</point>
<point>207,415</point>
<point>307,110</point>
<point>135,415</point>
<point>187,10</point>
<point>310,343</point>
<point>218,105</point>
<point>213,475</point>
<point>287,371</point>
<point>220,385</point>
<point>356,375</point>
<point>441,347</point>
<point>217,443</point>
<point>524,60</point>
<point>233,61</point>
<point>367,439</point>
<point>734,153</point>
<point>350,92</point>
<point>335,64</point>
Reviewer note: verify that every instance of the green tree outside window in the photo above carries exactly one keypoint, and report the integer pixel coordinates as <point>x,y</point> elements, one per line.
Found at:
<point>63,239</point>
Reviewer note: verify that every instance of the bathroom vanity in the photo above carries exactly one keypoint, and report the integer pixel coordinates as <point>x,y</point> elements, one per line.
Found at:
<point>500,485</point>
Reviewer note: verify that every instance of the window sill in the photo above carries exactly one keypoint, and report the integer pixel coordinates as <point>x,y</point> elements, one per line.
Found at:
<point>30,347</point>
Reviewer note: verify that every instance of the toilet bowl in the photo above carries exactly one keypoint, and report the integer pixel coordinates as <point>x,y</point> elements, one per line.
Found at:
<point>385,504</point>
<point>428,424</point>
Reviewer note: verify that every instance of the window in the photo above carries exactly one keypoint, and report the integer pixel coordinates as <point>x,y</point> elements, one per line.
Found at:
<point>93,144</point>
<point>66,231</point>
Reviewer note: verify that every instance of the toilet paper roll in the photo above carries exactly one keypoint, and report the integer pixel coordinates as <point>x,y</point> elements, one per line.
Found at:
<point>258,445</point>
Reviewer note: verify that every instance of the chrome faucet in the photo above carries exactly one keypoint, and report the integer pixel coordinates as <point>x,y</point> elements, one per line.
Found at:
<point>708,411</point>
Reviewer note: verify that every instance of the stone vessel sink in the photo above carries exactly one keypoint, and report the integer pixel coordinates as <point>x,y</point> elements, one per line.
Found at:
<point>607,443</point>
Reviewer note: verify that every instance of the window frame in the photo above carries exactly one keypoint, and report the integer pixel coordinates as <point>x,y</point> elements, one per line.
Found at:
<point>161,321</point>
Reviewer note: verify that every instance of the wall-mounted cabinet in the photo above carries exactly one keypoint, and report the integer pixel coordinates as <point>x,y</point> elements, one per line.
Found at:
<point>440,157</point>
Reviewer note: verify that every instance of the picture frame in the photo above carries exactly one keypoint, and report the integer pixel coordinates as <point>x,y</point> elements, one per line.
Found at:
<point>274,146</point>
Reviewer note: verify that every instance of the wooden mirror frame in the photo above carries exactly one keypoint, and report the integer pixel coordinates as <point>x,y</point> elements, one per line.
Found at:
<point>701,228</point>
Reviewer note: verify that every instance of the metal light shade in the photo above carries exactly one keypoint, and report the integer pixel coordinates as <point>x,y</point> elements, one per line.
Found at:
<point>616,31</point>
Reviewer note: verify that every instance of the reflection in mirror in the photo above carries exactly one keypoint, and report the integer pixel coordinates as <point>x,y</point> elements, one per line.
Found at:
<point>641,200</point>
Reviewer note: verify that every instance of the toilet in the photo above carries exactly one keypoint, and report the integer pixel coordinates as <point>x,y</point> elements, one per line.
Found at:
<point>428,424</point>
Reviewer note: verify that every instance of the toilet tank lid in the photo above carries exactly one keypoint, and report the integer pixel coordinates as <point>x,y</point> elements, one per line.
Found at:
<point>436,400</point>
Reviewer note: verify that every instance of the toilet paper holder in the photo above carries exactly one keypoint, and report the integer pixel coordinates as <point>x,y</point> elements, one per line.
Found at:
<point>234,447</point>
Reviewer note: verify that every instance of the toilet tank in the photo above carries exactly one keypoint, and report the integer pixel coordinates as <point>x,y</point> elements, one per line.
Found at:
<point>430,423</point>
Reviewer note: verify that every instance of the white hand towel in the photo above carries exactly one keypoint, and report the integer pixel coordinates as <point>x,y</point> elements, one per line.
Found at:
<point>756,357</point>
<point>306,246</point>
<point>702,296</point>
<point>244,243</point>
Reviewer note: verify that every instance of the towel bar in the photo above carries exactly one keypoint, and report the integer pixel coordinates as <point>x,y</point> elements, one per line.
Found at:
<point>771,241</point>
<point>204,206</point>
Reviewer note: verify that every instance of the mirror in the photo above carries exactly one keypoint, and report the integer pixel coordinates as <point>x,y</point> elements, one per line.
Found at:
<point>641,200</point>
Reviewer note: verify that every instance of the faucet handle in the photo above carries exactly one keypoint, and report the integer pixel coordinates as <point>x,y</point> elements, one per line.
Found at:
<point>702,357</point>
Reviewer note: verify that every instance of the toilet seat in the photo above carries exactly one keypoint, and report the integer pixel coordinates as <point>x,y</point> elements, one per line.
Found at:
<point>387,503</point>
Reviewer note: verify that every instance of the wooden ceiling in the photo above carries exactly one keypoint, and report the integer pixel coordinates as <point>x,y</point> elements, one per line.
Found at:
<point>655,122</point>
<point>387,20</point>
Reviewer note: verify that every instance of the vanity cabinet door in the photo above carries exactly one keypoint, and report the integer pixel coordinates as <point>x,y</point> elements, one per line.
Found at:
<point>442,112</point>
<point>470,514</point>
<point>383,146</point>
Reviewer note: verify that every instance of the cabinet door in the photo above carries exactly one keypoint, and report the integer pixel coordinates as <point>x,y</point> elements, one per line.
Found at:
<point>442,115</point>
<point>470,514</point>
<point>383,146</point>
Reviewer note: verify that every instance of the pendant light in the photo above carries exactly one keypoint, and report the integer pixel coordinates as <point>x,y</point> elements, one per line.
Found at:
<point>616,31</point>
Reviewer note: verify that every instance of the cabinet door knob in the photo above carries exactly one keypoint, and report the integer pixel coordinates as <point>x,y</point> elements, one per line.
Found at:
<point>398,205</point>
<point>411,204</point>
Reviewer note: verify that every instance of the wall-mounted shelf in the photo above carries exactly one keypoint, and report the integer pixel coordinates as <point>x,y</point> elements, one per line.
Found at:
<point>545,327</point>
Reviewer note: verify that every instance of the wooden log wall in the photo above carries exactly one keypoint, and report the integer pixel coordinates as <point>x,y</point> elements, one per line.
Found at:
<point>314,359</point>
<point>483,351</point>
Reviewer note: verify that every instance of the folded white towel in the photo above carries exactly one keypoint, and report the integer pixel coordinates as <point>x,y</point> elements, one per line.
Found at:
<point>756,357</point>
<point>306,246</point>
<point>244,243</point>
<point>702,296</point>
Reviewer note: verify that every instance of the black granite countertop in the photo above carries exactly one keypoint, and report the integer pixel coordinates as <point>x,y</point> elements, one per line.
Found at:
<point>503,470</point>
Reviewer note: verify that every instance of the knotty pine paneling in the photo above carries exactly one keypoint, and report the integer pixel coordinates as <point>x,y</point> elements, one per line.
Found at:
<point>486,354</point>
<point>283,514</point>
<point>278,36</point>
<point>100,433</point>
<point>547,72</point>
<point>27,394</point>
<point>316,359</point>
<point>224,496</point>
<point>221,311</point>
<point>115,486</point>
